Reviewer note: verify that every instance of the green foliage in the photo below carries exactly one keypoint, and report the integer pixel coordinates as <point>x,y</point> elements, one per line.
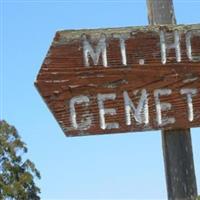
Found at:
<point>16,175</point>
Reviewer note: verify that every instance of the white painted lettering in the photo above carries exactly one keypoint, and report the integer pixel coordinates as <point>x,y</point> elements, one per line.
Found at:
<point>189,36</point>
<point>103,111</point>
<point>189,94</point>
<point>162,106</point>
<point>141,61</point>
<point>141,113</point>
<point>123,50</point>
<point>122,43</point>
<point>100,49</point>
<point>164,46</point>
<point>85,123</point>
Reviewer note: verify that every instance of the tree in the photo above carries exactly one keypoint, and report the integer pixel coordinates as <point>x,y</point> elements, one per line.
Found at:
<point>16,175</point>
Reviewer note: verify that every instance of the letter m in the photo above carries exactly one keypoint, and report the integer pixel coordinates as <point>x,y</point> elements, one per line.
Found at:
<point>94,54</point>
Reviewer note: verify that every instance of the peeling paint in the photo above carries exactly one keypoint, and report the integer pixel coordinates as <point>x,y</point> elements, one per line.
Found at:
<point>189,94</point>
<point>141,112</point>
<point>103,111</point>
<point>162,107</point>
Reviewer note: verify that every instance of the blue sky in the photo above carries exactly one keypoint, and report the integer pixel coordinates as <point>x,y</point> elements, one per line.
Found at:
<point>122,166</point>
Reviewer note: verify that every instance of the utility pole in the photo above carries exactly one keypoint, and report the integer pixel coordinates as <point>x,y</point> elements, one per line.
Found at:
<point>177,145</point>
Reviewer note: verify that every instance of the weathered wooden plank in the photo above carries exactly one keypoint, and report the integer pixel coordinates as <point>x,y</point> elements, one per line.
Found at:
<point>161,12</point>
<point>177,144</point>
<point>179,164</point>
<point>123,79</point>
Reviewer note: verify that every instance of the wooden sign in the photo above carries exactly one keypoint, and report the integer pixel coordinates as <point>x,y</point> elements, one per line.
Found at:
<point>123,79</point>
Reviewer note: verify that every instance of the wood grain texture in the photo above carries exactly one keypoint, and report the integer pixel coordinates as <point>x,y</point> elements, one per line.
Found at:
<point>176,143</point>
<point>161,12</point>
<point>63,76</point>
<point>179,164</point>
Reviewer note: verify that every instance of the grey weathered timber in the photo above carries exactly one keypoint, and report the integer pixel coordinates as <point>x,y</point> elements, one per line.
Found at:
<point>179,165</point>
<point>177,145</point>
<point>161,12</point>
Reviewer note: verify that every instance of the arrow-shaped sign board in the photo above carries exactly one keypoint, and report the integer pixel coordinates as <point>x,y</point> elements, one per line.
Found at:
<point>123,79</point>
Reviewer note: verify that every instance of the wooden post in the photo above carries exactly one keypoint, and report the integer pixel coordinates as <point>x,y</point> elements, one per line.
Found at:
<point>177,145</point>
